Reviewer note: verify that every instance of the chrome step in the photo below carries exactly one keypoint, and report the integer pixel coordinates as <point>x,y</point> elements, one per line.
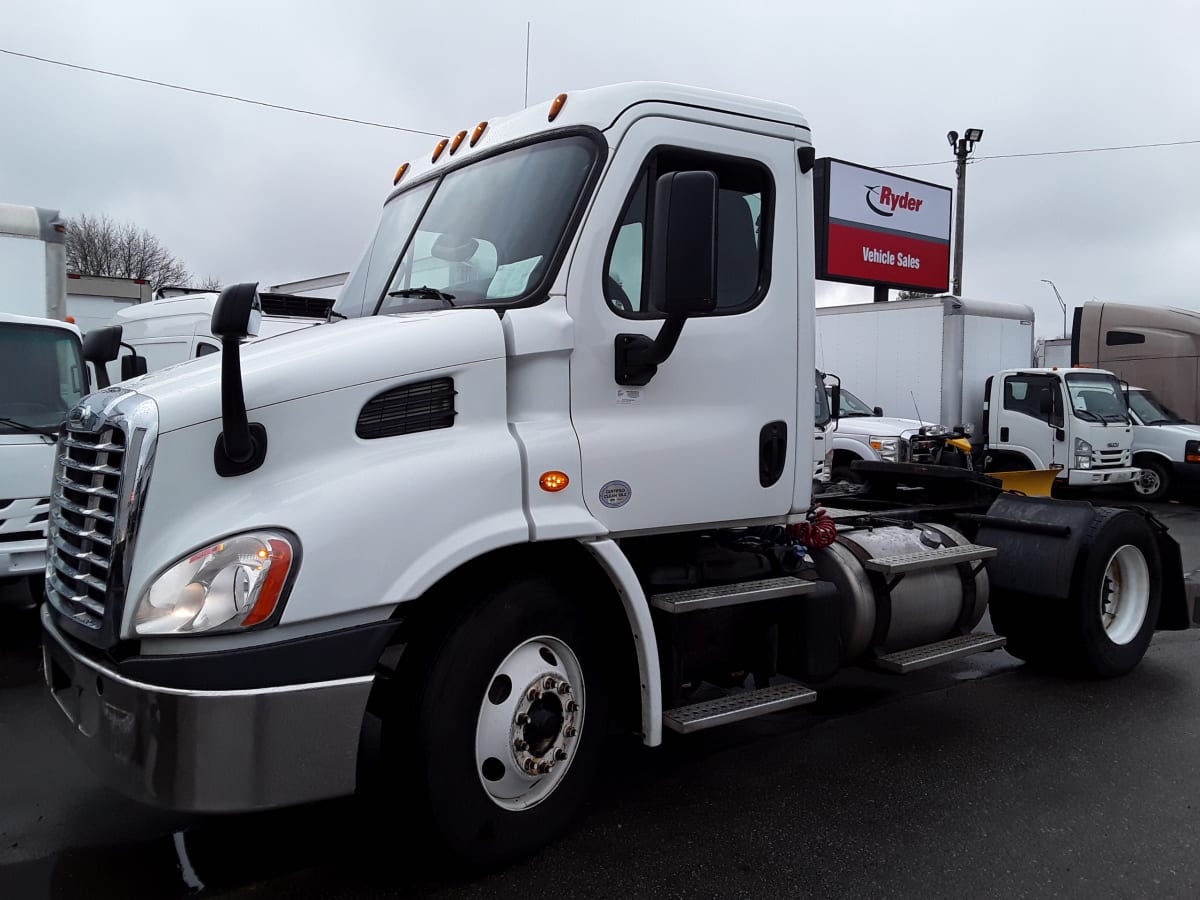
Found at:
<point>928,559</point>
<point>730,594</point>
<point>904,661</point>
<point>734,708</point>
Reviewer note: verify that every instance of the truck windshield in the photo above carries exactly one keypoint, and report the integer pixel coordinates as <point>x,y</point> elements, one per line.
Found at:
<point>1147,408</point>
<point>483,234</point>
<point>41,377</point>
<point>851,405</point>
<point>1096,397</point>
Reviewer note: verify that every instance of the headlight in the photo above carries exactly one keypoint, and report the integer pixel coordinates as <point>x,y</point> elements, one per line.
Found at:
<point>1083,454</point>
<point>885,447</point>
<point>235,584</point>
<point>1191,452</point>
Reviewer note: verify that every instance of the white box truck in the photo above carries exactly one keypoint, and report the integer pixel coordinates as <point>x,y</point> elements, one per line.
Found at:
<point>41,377</point>
<point>561,480</point>
<point>93,300</point>
<point>969,362</point>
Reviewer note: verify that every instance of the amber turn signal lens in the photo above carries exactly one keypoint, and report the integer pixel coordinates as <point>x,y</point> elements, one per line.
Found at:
<point>437,151</point>
<point>553,482</point>
<point>478,133</point>
<point>458,139</point>
<point>556,107</point>
<point>399,174</point>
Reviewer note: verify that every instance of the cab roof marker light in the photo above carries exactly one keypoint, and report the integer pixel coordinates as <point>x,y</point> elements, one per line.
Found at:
<point>458,139</point>
<point>437,151</point>
<point>556,107</point>
<point>478,133</point>
<point>399,174</point>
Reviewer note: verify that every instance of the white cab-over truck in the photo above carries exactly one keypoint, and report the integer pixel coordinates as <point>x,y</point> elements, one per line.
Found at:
<point>41,377</point>
<point>968,362</point>
<point>546,474</point>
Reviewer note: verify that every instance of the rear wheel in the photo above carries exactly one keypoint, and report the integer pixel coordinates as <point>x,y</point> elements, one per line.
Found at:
<point>1155,481</point>
<point>510,722</point>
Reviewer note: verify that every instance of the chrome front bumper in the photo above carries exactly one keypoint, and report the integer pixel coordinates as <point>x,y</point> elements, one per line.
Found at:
<point>208,751</point>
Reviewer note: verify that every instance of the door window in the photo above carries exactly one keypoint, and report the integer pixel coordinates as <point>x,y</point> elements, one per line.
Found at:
<point>1037,396</point>
<point>745,205</point>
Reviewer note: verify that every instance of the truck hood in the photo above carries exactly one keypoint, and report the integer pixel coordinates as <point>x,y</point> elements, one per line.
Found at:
<point>1180,432</point>
<point>872,425</point>
<point>325,358</point>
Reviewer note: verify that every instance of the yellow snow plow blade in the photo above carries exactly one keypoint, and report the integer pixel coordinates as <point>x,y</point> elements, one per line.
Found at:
<point>1031,483</point>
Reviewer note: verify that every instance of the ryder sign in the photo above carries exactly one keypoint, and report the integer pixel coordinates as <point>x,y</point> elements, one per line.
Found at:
<point>877,228</point>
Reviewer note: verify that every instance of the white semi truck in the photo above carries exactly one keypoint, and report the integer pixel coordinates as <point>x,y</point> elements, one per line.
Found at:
<point>969,362</point>
<point>556,482</point>
<point>41,377</point>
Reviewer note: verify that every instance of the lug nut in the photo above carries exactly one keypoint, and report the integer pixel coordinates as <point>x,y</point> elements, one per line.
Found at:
<point>531,767</point>
<point>560,754</point>
<point>564,688</point>
<point>522,719</point>
<point>544,768</point>
<point>549,684</point>
<point>520,745</point>
<point>569,731</point>
<point>533,694</point>
<point>572,706</point>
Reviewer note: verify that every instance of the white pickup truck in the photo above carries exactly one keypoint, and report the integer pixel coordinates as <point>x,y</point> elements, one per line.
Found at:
<point>547,473</point>
<point>862,432</point>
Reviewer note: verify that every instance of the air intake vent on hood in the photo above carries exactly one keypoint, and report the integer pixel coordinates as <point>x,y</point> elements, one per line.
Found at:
<point>423,406</point>
<point>290,305</point>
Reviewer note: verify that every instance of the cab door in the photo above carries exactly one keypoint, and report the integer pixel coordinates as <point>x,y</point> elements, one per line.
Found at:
<point>712,437</point>
<point>1031,419</point>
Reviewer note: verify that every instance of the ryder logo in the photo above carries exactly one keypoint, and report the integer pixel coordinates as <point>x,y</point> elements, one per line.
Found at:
<point>890,200</point>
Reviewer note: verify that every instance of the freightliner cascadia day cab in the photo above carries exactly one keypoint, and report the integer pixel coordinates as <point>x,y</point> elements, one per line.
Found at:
<point>545,473</point>
<point>968,362</point>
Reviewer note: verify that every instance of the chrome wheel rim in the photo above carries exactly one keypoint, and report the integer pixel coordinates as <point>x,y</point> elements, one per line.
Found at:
<point>530,723</point>
<point>1147,483</point>
<point>1124,594</point>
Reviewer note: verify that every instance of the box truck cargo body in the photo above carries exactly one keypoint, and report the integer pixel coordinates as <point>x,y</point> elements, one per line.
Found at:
<point>929,357</point>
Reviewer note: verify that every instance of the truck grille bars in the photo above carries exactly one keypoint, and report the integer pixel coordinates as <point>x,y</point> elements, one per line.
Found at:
<point>87,483</point>
<point>103,460</point>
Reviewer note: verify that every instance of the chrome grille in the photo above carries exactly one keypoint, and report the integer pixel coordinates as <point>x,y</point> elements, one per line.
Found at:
<point>1110,459</point>
<point>84,520</point>
<point>101,475</point>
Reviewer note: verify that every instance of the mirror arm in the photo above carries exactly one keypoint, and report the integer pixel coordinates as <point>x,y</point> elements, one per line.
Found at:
<point>639,356</point>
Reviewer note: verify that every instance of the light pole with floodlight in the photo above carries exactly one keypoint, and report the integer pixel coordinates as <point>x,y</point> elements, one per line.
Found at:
<point>962,148</point>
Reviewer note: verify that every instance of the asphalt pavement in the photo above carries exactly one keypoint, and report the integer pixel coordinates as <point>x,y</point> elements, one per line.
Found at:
<point>976,778</point>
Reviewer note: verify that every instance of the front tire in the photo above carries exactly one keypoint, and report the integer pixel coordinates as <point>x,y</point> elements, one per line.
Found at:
<point>1155,481</point>
<point>511,721</point>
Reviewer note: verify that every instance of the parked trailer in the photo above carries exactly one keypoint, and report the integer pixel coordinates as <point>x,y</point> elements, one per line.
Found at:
<point>550,473</point>
<point>93,300</point>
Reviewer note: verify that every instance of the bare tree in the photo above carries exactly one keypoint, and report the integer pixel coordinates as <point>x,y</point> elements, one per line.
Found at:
<point>208,283</point>
<point>96,245</point>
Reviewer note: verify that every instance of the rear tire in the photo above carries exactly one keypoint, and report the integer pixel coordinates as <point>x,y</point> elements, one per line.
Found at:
<point>468,746</point>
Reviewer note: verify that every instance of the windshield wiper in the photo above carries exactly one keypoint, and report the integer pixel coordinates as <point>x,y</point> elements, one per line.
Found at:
<point>334,314</point>
<point>424,293</point>
<point>1089,415</point>
<point>29,429</point>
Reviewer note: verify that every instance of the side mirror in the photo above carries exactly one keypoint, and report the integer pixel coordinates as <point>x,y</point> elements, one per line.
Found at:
<point>835,401</point>
<point>877,411</point>
<point>238,313</point>
<point>683,246</point>
<point>683,270</point>
<point>241,445</point>
<point>100,347</point>
<point>133,366</point>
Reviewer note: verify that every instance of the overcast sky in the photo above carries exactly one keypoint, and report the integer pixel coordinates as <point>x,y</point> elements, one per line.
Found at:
<point>245,193</point>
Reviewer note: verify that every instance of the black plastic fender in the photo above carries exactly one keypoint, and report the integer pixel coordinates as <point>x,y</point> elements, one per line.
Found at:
<point>1043,543</point>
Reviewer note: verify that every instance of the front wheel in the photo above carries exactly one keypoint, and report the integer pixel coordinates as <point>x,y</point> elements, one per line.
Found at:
<point>1155,481</point>
<point>511,722</point>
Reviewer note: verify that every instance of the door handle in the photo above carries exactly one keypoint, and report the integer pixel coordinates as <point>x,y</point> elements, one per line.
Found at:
<point>772,452</point>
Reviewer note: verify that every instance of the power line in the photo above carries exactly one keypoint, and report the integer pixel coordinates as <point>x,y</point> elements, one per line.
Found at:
<point>192,90</point>
<point>1048,153</point>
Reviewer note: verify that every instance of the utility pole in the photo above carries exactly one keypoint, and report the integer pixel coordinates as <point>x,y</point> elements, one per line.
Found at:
<point>1061,303</point>
<point>962,149</point>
